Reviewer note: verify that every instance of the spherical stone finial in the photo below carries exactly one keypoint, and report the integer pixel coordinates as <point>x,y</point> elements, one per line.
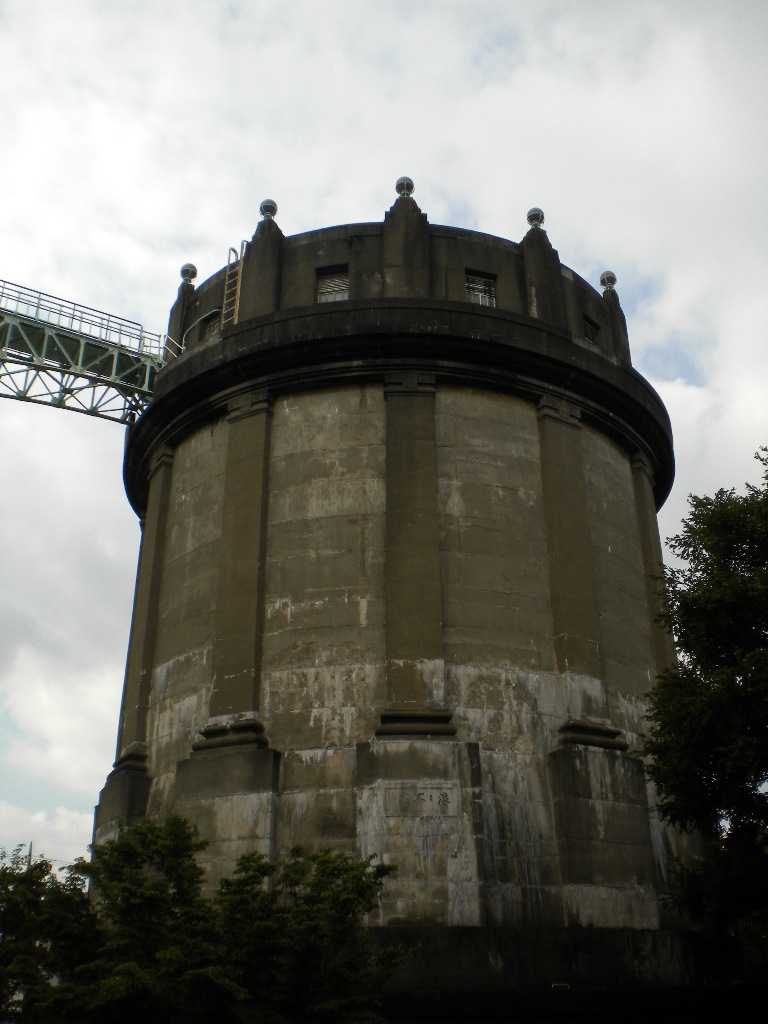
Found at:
<point>188,272</point>
<point>608,280</point>
<point>535,217</point>
<point>268,209</point>
<point>404,186</point>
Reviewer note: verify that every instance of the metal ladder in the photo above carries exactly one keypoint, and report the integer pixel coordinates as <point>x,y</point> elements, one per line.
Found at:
<point>234,272</point>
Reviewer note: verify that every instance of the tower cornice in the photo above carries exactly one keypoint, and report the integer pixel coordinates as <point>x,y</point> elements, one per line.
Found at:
<point>360,342</point>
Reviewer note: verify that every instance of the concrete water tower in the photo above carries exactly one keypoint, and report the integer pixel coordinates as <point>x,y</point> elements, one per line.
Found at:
<point>394,595</point>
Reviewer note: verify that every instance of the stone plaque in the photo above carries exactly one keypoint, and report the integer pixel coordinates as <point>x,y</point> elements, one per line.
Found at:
<point>422,801</point>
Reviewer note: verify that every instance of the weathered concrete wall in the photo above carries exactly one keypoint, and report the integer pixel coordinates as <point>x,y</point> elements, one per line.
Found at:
<point>324,632</point>
<point>481,827</point>
<point>498,634</point>
<point>625,628</point>
<point>418,807</point>
<point>489,846</point>
<point>183,673</point>
<point>493,549</point>
<point>323,668</point>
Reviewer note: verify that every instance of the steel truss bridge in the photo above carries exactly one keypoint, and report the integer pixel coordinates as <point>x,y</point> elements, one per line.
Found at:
<point>60,353</point>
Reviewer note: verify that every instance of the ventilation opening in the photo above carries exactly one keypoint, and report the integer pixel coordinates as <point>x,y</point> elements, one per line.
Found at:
<point>480,288</point>
<point>333,284</point>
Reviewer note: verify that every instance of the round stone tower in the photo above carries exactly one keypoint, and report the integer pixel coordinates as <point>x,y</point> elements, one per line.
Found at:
<point>395,588</point>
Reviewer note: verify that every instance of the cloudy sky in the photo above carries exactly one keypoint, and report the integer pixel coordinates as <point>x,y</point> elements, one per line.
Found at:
<point>136,137</point>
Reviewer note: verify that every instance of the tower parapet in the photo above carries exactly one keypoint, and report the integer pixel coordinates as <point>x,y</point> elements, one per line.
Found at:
<point>399,522</point>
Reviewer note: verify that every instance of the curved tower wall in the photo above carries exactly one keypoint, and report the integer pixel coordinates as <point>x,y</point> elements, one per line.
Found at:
<point>394,589</point>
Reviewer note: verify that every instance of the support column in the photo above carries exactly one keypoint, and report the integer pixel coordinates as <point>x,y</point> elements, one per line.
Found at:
<point>642,480</point>
<point>543,278</point>
<point>406,270</point>
<point>261,272</point>
<point>414,628</point>
<point>575,611</point>
<point>600,812</point>
<point>235,706</point>
<point>125,794</point>
<point>232,774</point>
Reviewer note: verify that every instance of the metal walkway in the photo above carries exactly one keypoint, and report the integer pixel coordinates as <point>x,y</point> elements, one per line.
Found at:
<point>59,353</point>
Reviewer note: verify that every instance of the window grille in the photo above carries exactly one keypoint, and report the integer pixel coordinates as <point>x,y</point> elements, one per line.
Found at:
<point>590,330</point>
<point>211,328</point>
<point>333,285</point>
<point>481,289</point>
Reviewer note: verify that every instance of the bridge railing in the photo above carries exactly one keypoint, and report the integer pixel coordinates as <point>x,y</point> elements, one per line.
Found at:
<point>71,316</point>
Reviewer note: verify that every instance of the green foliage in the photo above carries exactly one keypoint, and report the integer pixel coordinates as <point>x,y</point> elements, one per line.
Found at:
<point>296,946</point>
<point>278,943</point>
<point>157,953</point>
<point>709,715</point>
<point>47,927</point>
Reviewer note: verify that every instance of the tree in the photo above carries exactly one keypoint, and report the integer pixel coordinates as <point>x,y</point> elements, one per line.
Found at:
<point>708,738</point>
<point>158,952</point>
<point>47,927</point>
<point>277,943</point>
<point>297,946</point>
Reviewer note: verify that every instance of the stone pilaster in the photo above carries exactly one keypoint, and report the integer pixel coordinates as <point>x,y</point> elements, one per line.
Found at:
<point>178,318</point>
<point>600,807</point>
<point>618,326</point>
<point>232,775</point>
<point>414,628</point>
<point>650,543</point>
<point>406,251</point>
<point>141,650</point>
<point>543,278</point>
<point>125,793</point>
<point>235,705</point>
<point>261,272</point>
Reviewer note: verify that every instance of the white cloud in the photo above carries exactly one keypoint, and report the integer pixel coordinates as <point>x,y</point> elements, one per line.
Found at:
<point>62,722</point>
<point>61,837</point>
<point>68,553</point>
